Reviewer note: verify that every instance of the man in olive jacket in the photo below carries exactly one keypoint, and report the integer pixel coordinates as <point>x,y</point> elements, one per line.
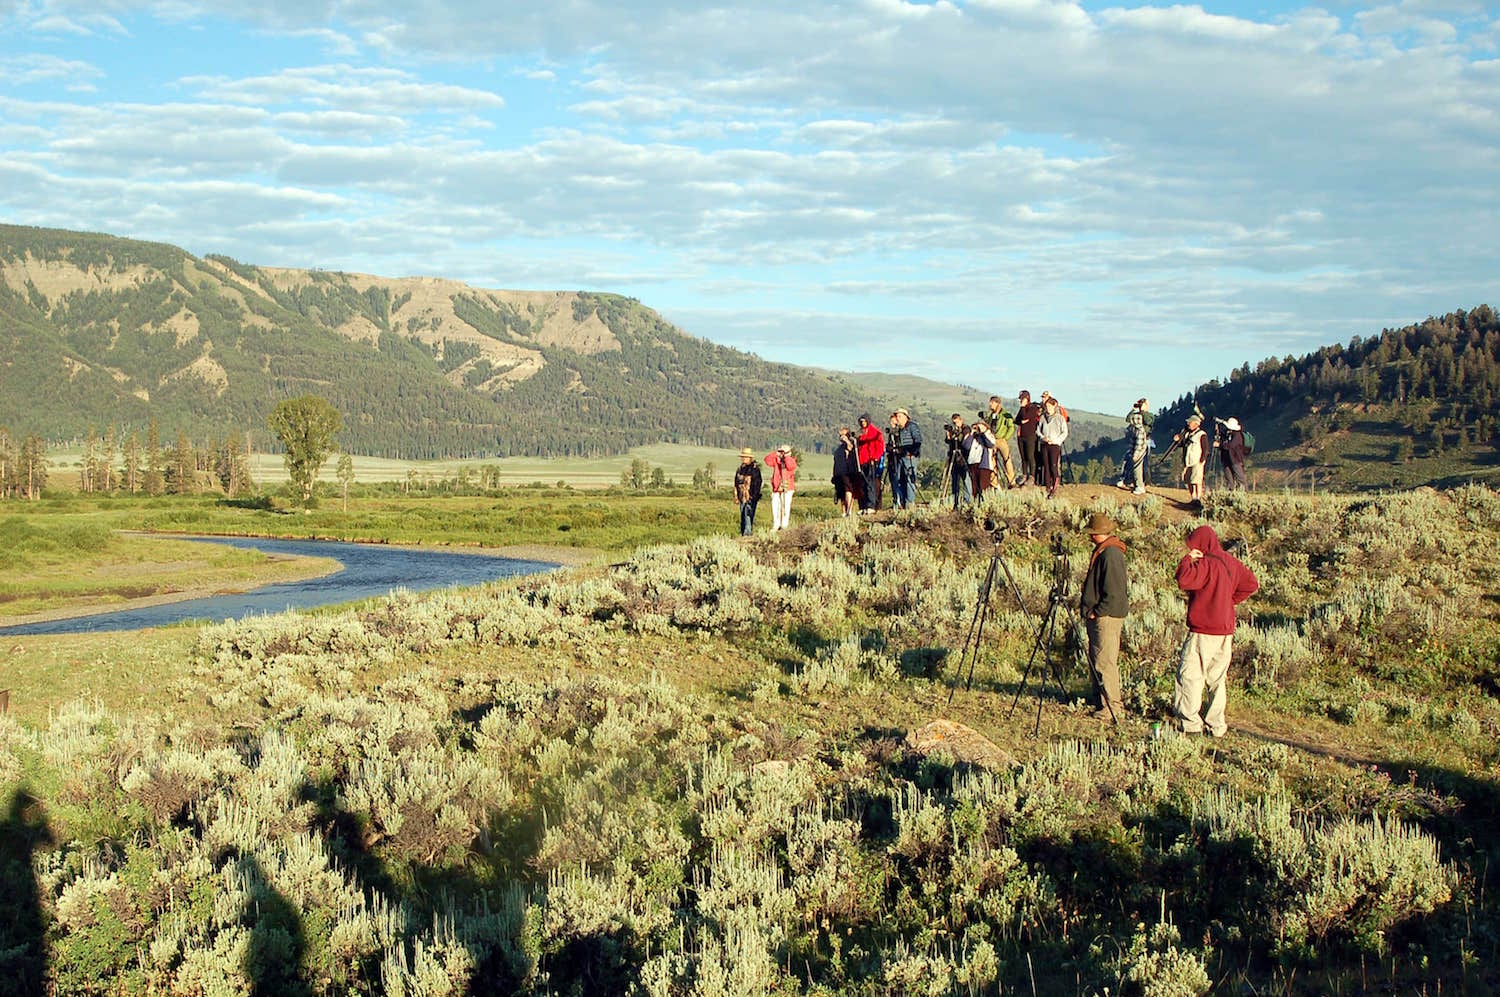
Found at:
<point>1103,605</point>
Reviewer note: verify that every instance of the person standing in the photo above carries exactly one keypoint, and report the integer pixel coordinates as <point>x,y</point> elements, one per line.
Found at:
<point>1215,582</point>
<point>957,465</point>
<point>1028,416</point>
<point>1002,428</point>
<point>783,467</point>
<point>979,449</point>
<point>871,462</point>
<point>1104,604</point>
<point>747,490</point>
<point>1138,441</point>
<point>1053,432</point>
<point>848,483</point>
<point>903,447</point>
<point>1194,456</point>
<point>1232,454</point>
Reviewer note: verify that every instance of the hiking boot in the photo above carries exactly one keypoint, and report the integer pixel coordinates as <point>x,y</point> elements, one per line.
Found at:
<point>1139,491</point>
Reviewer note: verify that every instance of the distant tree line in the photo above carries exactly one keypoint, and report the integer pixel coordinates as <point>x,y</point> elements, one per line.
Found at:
<point>1432,385</point>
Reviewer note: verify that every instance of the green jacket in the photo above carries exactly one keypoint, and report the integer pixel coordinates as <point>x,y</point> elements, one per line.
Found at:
<point>1001,424</point>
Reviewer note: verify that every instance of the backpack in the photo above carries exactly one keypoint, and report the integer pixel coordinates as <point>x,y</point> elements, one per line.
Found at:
<point>1249,441</point>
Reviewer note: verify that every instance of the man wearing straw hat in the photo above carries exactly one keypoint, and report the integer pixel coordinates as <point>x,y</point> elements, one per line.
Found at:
<point>747,490</point>
<point>1104,603</point>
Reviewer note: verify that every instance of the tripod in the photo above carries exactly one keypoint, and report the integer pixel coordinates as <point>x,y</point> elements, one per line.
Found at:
<point>1056,600</point>
<point>975,638</point>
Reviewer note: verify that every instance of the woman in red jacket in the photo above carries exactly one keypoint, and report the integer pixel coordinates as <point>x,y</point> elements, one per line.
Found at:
<point>783,483</point>
<point>871,462</point>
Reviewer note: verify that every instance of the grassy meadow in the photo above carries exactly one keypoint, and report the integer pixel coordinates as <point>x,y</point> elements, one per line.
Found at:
<point>706,767</point>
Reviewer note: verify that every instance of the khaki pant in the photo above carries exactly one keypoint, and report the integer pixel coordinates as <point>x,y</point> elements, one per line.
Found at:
<point>1002,449</point>
<point>1104,659</point>
<point>1205,662</point>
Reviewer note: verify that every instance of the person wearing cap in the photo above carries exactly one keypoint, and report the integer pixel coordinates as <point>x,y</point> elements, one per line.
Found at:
<point>1232,454</point>
<point>1138,443</point>
<point>1215,582</point>
<point>1002,428</point>
<point>1194,456</point>
<point>783,483</point>
<point>979,457</point>
<point>1028,415</point>
<point>871,463</point>
<point>747,490</point>
<point>1053,432</point>
<point>1103,605</point>
<point>956,435</point>
<point>903,446</point>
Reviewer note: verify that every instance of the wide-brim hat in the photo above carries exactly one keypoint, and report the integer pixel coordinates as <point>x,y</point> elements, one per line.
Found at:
<point>1232,424</point>
<point>747,452</point>
<point>1100,523</point>
<point>784,448</point>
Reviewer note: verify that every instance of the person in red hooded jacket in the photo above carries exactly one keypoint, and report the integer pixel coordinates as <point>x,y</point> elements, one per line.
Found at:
<point>871,462</point>
<point>1215,582</point>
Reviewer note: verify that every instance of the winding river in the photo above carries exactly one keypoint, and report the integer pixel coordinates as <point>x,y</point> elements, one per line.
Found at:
<point>369,570</point>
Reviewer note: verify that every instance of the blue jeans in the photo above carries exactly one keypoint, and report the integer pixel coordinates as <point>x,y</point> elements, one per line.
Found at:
<point>747,518</point>
<point>904,482</point>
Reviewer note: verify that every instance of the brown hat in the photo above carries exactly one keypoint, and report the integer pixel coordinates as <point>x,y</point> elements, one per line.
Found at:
<point>1100,523</point>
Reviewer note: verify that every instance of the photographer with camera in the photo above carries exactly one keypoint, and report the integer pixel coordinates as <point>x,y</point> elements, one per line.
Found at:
<point>957,464</point>
<point>979,454</point>
<point>848,483</point>
<point>1104,604</point>
<point>1194,443</point>
<point>783,465</point>
<point>903,446</point>
<point>1230,442</point>
<point>1002,428</point>
<point>871,463</point>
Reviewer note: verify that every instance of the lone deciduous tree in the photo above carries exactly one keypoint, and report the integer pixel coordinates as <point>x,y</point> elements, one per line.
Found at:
<point>306,427</point>
<point>346,476</point>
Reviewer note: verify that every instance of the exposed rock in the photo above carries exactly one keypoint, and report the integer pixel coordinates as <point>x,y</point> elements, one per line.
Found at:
<point>964,744</point>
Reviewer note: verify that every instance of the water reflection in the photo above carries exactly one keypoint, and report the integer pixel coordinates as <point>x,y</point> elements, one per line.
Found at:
<point>369,570</point>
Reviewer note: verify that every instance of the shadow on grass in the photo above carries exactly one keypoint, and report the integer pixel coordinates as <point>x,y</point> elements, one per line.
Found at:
<point>23,945</point>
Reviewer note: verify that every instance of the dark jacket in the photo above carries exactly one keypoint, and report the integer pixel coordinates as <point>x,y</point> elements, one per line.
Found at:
<point>1106,586</point>
<point>747,482</point>
<point>905,442</point>
<point>1215,583</point>
<point>845,461</point>
<point>1027,417</point>
<point>1234,446</point>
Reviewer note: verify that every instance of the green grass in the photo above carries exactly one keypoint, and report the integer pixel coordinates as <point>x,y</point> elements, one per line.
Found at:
<point>691,766</point>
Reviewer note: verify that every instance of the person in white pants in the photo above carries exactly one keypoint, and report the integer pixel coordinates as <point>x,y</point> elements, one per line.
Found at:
<point>1215,582</point>
<point>783,465</point>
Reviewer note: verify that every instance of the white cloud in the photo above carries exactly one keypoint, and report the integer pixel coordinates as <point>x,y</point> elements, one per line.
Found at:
<point>31,68</point>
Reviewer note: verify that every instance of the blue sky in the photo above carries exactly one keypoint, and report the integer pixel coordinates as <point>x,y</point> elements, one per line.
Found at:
<point>1105,200</point>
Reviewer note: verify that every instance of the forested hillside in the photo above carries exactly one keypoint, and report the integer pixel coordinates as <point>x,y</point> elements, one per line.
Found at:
<point>1409,406</point>
<point>98,332</point>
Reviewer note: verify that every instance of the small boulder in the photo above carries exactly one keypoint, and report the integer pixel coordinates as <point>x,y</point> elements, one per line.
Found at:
<point>961,743</point>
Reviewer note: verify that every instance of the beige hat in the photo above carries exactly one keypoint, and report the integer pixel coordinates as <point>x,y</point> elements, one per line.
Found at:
<point>747,452</point>
<point>902,411</point>
<point>1100,523</point>
<point>784,448</point>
